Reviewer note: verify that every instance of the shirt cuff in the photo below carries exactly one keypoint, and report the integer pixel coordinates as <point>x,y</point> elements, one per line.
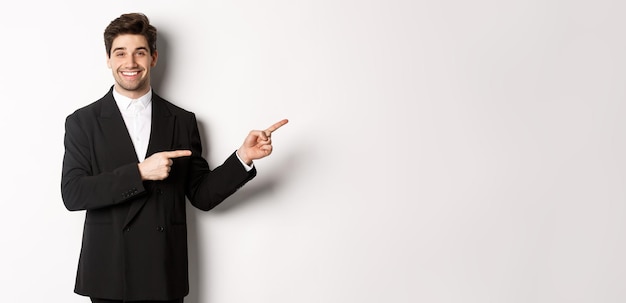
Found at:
<point>246,166</point>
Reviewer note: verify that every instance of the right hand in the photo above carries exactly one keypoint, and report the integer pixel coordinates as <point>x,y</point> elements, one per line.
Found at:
<point>158,166</point>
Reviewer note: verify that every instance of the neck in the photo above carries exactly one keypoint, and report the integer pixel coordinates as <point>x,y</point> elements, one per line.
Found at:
<point>134,94</point>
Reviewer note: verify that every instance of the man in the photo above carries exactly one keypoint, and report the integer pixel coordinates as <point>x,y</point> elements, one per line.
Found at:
<point>130,160</point>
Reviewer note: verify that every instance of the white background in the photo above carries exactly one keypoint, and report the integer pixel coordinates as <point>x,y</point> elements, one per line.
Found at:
<point>438,151</point>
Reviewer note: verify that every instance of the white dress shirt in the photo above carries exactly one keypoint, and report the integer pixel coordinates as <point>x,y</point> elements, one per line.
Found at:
<point>137,114</point>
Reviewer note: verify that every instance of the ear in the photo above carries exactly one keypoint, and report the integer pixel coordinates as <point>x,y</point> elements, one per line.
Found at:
<point>155,57</point>
<point>108,60</point>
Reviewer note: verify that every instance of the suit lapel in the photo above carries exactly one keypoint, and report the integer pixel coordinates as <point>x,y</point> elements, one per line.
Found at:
<point>161,136</point>
<point>162,132</point>
<point>116,137</point>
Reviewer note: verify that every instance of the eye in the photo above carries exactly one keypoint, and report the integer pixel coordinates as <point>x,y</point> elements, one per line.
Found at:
<point>120,54</point>
<point>141,53</point>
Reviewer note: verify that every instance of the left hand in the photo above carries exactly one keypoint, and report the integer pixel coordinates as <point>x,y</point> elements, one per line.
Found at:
<point>258,143</point>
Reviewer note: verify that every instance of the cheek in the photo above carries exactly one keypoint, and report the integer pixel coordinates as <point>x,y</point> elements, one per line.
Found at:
<point>112,64</point>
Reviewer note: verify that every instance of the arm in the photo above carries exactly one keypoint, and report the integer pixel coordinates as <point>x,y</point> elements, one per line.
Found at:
<point>83,188</point>
<point>206,188</point>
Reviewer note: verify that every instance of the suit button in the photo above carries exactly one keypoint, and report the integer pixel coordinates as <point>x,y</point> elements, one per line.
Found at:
<point>161,228</point>
<point>127,229</point>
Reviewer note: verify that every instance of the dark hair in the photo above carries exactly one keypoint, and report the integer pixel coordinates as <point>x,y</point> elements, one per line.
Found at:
<point>135,24</point>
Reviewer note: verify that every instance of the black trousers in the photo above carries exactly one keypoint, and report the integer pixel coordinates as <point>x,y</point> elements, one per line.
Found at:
<point>94,300</point>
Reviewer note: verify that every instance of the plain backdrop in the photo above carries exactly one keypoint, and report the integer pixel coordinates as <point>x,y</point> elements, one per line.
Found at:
<point>437,151</point>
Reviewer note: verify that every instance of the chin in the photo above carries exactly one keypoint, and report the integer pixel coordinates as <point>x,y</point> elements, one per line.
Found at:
<point>131,87</point>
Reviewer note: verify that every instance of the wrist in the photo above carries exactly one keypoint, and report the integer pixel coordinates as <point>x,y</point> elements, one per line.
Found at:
<point>242,157</point>
<point>143,178</point>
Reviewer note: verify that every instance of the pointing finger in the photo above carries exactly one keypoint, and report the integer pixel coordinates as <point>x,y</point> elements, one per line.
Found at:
<point>177,154</point>
<point>276,126</point>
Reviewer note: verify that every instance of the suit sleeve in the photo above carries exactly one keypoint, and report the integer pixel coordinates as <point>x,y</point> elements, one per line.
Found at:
<point>82,188</point>
<point>207,188</point>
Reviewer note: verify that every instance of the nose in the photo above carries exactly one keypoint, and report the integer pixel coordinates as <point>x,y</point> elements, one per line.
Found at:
<point>131,61</point>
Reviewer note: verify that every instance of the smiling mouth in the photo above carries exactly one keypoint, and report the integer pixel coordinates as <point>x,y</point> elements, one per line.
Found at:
<point>130,74</point>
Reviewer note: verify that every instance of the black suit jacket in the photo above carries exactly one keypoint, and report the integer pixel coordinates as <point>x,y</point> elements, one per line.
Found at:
<point>135,234</point>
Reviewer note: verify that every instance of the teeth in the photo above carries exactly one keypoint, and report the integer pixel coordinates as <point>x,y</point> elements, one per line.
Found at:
<point>129,73</point>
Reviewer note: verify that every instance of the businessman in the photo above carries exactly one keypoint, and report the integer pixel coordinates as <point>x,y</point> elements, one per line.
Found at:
<point>131,158</point>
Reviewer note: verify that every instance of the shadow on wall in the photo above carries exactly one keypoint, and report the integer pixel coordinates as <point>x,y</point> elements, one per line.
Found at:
<point>266,182</point>
<point>159,72</point>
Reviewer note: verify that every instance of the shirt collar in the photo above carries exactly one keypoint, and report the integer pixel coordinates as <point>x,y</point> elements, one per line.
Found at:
<point>124,102</point>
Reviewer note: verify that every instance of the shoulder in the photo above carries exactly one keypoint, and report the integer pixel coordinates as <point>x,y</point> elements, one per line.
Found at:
<point>94,108</point>
<point>169,107</point>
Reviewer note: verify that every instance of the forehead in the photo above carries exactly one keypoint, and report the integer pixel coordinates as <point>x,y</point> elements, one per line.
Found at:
<point>129,42</point>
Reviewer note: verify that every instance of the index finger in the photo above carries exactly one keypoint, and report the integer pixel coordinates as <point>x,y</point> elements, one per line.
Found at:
<point>276,126</point>
<point>177,153</point>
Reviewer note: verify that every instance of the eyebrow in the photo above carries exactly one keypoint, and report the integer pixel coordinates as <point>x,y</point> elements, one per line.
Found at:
<point>123,48</point>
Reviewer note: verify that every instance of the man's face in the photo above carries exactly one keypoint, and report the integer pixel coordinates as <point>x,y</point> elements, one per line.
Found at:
<point>130,62</point>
